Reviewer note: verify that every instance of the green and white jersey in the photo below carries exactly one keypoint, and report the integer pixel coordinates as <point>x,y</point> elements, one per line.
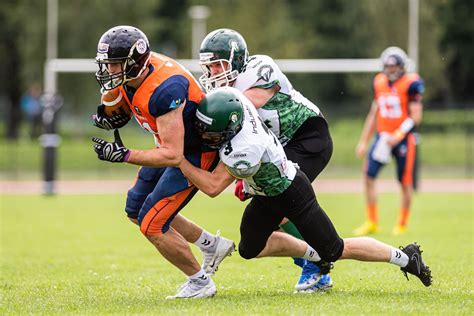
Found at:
<point>256,156</point>
<point>288,109</point>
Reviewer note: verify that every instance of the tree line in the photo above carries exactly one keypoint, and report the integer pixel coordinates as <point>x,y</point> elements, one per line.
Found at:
<point>279,28</point>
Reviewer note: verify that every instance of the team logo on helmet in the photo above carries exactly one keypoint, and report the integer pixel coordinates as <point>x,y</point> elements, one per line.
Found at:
<point>141,46</point>
<point>102,48</point>
<point>234,117</point>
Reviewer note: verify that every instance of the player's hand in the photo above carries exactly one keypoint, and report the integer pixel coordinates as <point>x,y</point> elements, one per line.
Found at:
<point>101,120</point>
<point>393,140</point>
<point>113,152</point>
<point>361,150</point>
<point>239,191</point>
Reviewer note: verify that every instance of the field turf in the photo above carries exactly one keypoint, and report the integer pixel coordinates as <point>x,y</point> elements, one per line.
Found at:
<point>80,255</point>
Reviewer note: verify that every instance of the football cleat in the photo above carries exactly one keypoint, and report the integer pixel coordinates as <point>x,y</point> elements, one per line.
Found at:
<point>195,289</point>
<point>212,258</point>
<point>415,265</point>
<point>399,230</point>
<point>324,284</point>
<point>367,228</point>
<point>310,276</point>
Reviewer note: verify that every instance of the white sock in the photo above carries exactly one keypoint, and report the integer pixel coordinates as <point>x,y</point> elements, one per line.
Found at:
<point>206,240</point>
<point>311,255</point>
<point>200,277</point>
<point>399,258</point>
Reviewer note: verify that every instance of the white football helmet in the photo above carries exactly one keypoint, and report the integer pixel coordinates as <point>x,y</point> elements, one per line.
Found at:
<point>394,56</point>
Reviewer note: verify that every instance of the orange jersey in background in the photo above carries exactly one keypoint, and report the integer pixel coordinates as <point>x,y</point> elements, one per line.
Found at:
<point>392,101</point>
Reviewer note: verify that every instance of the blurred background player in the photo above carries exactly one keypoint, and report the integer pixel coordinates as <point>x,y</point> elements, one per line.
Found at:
<point>31,107</point>
<point>394,115</point>
<point>298,123</point>
<point>163,97</point>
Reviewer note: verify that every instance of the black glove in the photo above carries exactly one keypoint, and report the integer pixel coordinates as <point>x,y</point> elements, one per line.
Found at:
<point>101,120</point>
<point>113,152</point>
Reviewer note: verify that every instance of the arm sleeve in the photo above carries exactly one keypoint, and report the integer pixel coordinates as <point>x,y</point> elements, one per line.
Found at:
<point>416,90</point>
<point>260,72</point>
<point>169,95</point>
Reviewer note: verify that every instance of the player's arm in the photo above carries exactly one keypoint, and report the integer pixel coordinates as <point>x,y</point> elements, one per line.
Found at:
<point>260,96</point>
<point>367,131</point>
<point>211,184</point>
<point>171,131</point>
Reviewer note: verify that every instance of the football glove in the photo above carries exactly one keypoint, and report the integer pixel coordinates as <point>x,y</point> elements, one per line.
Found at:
<point>113,152</point>
<point>101,120</point>
<point>239,191</point>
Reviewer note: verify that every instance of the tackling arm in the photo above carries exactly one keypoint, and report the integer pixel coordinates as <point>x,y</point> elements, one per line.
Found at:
<point>210,183</point>
<point>171,131</point>
<point>259,96</point>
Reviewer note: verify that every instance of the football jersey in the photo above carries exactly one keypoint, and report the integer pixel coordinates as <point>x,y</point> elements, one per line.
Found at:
<point>256,147</point>
<point>167,86</point>
<point>288,109</point>
<point>393,99</point>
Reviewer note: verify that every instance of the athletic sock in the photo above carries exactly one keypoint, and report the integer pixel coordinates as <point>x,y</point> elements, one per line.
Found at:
<point>372,212</point>
<point>399,258</point>
<point>291,229</point>
<point>311,255</point>
<point>200,277</point>
<point>403,216</point>
<point>206,241</point>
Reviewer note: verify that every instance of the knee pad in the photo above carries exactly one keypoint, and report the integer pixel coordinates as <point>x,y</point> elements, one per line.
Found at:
<point>134,204</point>
<point>247,252</point>
<point>333,251</point>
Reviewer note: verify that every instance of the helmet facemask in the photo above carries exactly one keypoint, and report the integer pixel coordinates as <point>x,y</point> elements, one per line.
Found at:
<point>394,61</point>
<point>225,78</point>
<point>216,139</point>
<point>130,70</point>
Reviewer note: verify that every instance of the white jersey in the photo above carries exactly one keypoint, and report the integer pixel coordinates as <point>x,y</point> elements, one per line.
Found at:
<point>256,156</point>
<point>288,109</point>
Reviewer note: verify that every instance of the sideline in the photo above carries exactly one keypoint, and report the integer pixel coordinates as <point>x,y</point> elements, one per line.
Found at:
<point>320,186</point>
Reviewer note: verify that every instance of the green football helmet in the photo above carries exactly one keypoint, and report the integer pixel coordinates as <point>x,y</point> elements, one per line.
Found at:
<point>226,47</point>
<point>219,116</point>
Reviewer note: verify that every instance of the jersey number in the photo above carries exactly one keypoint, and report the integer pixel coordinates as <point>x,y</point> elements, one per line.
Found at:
<point>389,106</point>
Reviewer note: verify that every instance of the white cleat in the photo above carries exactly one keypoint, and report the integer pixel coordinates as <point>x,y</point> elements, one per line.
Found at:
<point>194,289</point>
<point>211,259</point>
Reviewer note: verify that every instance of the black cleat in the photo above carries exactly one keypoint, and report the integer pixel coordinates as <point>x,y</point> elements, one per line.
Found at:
<point>415,265</point>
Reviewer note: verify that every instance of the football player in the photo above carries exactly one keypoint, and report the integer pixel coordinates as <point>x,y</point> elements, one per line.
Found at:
<point>395,112</point>
<point>298,123</point>
<point>228,121</point>
<point>163,97</point>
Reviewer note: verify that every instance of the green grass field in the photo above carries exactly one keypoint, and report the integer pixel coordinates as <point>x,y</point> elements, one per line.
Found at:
<point>80,255</point>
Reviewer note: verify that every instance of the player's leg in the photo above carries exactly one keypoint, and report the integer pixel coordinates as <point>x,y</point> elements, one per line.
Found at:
<point>259,238</point>
<point>371,170</point>
<point>311,148</point>
<point>406,157</point>
<point>145,183</point>
<point>294,201</point>
<point>214,247</point>
<point>169,196</point>
<point>369,249</point>
<point>308,215</point>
